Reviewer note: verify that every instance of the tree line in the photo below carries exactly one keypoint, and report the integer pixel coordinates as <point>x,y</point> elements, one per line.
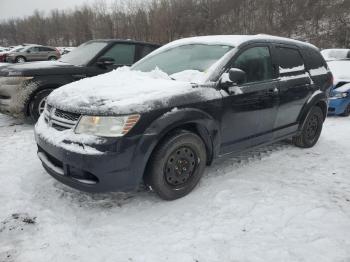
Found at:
<point>322,22</point>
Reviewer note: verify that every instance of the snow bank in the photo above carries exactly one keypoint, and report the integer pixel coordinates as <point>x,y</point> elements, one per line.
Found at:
<point>278,203</point>
<point>124,91</point>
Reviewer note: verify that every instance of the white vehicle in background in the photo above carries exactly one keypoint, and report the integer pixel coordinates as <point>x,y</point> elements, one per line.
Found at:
<point>65,50</point>
<point>335,54</point>
<point>4,49</point>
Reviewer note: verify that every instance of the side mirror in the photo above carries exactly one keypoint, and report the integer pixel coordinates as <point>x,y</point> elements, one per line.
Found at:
<point>28,51</point>
<point>237,76</point>
<point>105,62</point>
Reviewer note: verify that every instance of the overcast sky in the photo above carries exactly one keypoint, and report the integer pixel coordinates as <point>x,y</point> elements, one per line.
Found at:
<point>20,8</point>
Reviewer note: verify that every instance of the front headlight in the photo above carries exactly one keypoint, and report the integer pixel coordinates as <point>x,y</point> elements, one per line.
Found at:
<point>340,95</point>
<point>106,126</point>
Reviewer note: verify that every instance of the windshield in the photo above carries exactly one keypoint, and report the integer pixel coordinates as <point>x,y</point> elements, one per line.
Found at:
<point>84,53</point>
<point>340,69</point>
<point>17,49</point>
<point>199,57</point>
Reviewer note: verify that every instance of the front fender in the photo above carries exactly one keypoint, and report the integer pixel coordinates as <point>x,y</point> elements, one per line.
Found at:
<point>206,126</point>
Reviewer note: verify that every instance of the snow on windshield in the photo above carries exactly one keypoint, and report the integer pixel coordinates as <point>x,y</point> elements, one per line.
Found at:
<point>340,69</point>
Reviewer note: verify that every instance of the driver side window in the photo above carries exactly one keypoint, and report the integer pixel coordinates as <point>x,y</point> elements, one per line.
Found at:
<point>256,62</point>
<point>123,54</point>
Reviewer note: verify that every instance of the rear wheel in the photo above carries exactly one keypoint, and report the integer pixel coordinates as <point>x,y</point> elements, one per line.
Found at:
<point>347,111</point>
<point>20,59</point>
<point>37,105</point>
<point>177,165</point>
<point>312,129</point>
<point>52,58</point>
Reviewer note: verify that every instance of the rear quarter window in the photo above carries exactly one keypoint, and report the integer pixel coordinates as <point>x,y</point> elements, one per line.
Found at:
<point>145,50</point>
<point>289,61</point>
<point>313,59</point>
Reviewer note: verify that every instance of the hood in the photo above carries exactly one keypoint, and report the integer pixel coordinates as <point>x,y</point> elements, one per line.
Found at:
<point>38,68</point>
<point>124,91</point>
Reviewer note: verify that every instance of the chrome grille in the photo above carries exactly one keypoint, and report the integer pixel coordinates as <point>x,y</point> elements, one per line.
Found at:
<point>59,119</point>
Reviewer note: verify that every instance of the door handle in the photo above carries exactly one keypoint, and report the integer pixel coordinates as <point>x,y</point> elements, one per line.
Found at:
<point>272,91</point>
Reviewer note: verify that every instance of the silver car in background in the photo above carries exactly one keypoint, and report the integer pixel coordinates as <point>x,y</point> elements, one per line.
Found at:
<point>33,53</point>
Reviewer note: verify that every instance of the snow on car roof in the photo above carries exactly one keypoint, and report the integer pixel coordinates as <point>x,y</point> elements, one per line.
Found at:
<point>230,40</point>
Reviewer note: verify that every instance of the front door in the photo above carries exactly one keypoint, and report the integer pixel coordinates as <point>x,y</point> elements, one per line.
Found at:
<point>250,109</point>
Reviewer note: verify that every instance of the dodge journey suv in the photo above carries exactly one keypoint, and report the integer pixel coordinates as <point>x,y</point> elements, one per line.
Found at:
<point>166,118</point>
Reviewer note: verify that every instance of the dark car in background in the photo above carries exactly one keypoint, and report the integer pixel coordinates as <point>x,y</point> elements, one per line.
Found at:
<point>33,53</point>
<point>24,87</point>
<point>181,107</point>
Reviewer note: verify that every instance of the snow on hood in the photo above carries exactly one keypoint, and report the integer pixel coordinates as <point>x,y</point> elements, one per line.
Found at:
<point>124,91</point>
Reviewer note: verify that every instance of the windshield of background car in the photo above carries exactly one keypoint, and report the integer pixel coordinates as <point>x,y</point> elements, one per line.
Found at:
<point>84,53</point>
<point>198,57</point>
<point>340,69</point>
<point>17,49</point>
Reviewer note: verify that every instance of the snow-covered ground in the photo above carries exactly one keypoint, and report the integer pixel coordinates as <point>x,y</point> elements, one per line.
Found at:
<point>279,203</point>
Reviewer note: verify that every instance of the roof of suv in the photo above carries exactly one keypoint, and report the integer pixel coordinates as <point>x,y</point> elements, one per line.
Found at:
<point>124,41</point>
<point>236,40</point>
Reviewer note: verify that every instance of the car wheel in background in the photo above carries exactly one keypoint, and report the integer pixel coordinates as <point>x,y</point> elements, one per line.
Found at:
<point>37,104</point>
<point>312,128</point>
<point>347,111</point>
<point>52,58</point>
<point>20,59</point>
<point>177,165</point>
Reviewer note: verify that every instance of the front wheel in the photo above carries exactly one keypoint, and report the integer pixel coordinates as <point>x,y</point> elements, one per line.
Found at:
<point>177,165</point>
<point>347,111</point>
<point>311,130</point>
<point>37,105</point>
<point>20,59</point>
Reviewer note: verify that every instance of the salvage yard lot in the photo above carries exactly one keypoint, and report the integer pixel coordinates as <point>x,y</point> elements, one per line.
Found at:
<point>278,203</point>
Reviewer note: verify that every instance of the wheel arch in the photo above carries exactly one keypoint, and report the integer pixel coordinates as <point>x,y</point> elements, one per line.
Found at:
<point>193,120</point>
<point>35,92</point>
<point>317,99</point>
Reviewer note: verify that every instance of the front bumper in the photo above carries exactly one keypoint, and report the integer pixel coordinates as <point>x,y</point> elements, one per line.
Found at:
<point>338,106</point>
<point>14,94</point>
<point>109,166</point>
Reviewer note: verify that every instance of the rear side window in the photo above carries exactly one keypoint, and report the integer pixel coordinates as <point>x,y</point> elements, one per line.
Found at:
<point>123,54</point>
<point>45,49</point>
<point>289,61</point>
<point>314,59</point>
<point>34,49</point>
<point>145,50</point>
<point>256,63</point>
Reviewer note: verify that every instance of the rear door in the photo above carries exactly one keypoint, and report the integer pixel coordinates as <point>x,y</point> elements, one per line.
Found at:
<point>294,85</point>
<point>250,109</point>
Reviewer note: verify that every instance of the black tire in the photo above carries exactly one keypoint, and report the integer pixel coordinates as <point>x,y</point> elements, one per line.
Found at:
<point>36,104</point>
<point>177,165</point>
<point>20,59</point>
<point>52,58</point>
<point>347,111</point>
<point>312,128</point>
